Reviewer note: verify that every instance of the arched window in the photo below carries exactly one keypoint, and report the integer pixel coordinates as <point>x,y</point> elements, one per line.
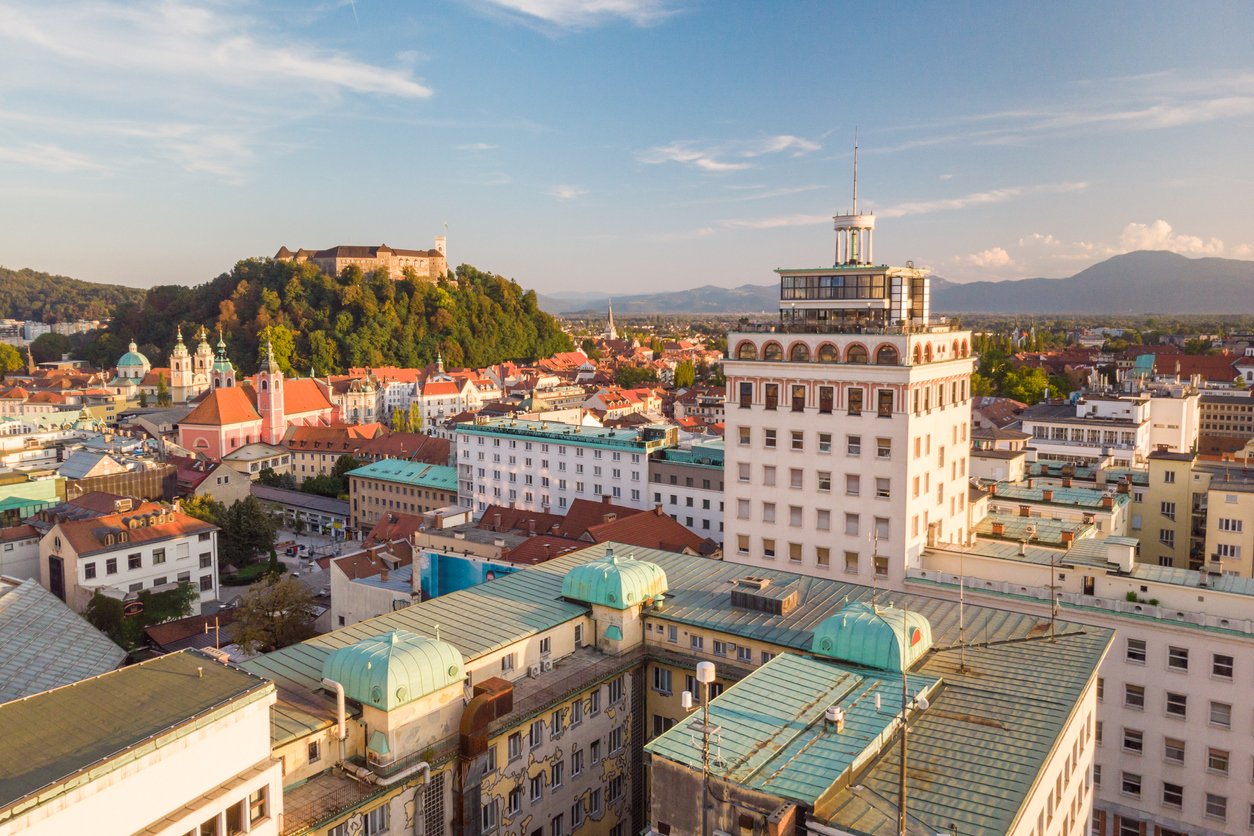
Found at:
<point>927,353</point>
<point>886,355</point>
<point>746,351</point>
<point>966,351</point>
<point>773,352</point>
<point>799,353</point>
<point>956,348</point>
<point>918,354</point>
<point>264,385</point>
<point>856,353</point>
<point>828,353</point>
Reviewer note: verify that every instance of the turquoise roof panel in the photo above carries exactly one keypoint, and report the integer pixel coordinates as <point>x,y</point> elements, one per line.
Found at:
<point>415,474</point>
<point>886,638</point>
<point>392,669</point>
<point>615,582</point>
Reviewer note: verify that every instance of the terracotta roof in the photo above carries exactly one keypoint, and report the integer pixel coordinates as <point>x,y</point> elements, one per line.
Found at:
<point>176,635</point>
<point>392,527</point>
<point>1215,367</point>
<point>304,395</point>
<point>88,536</point>
<point>16,393</point>
<point>648,530</point>
<point>414,447</point>
<point>517,519</point>
<point>224,405</point>
<point>18,532</point>
<point>341,439</point>
<point>585,513</point>
<point>540,548</point>
<point>154,375</point>
<point>364,564</point>
<point>440,387</point>
<point>46,397</point>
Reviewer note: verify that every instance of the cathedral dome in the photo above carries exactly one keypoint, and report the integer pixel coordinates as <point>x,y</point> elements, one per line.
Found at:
<point>132,363</point>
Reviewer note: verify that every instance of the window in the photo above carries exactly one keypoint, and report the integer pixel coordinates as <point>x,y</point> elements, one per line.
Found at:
<point>1173,750</point>
<point>1168,510</point>
<point>556,773</point>
<point>1177,705</point>
<point>661,680</point>
<point>795,478</point>
<point>515,746</point>
<point>616,690</point>
<point>576,762</point>
<point>535,734</point>
<point>158,556</point>
<point>851,562</point>
<point>314,751</point>
<point>853,445</point>
<point>798,440</point>
<point>746,395</point>
<point>772,395</point>
<point>720,648</point>
<point>594,751</point>
<point>743,472</point>
<point>616,739</point>
<point>1216,806</point>
<point>769,439</point>
<point>1134,697</point>
<point>855,400</point>
<point>556,722</point>
<point>513,801</point>
<point>206,560</point>
<point>1173,795</point>
<point>826,397</point>
<point>206,583</point>
<point>884,448</point>
<point>672,633</point>
<point>1217,761</point>
<point>578,635</point>
<point>594,802</point>
<point>768,547</point>
<point>1178,658</point>
<point>507,663</point>
<point>883,488</point>
<point>537,787</point>
<point>1136,651</point>
<point>823,522</point>
<point>884,403</point>
<point>111,566</point>
<point>1169,477</point>
<point>546,646</point>
<point>798,398</point>
<point>1221,666</point>
<point>576,814</point>
<point>825,442</point>
<point>487,817</point>
<point>89,570</point>
<point>744,654</point>
<point>576,712</point>
<point>1167,537</point>
<point>1230,524</point>
<point>1131,784</point>
<point>258,806</point>
<point>1221,714</point>
<point>851,525</point>
<point>696,642</point>
<point>1133,741</point>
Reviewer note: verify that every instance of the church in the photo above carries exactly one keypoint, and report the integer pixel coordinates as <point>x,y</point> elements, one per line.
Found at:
<point>231,414</point>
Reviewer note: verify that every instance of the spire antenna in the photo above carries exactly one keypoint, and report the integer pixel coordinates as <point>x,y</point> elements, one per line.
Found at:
<point>855,171</point>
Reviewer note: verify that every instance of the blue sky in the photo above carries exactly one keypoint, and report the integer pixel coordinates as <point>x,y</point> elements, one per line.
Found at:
<point>621,145</point>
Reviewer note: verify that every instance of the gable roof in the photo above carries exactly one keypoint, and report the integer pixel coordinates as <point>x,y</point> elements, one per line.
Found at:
<point>223,406</point>
<point>647,529</point>
<point>503,518</point>
<point>304,395</point>
<point>586,513</point>
<point>88,536</point>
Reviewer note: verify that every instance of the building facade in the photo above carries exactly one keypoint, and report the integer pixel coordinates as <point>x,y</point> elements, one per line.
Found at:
<point>428,265</point>
<point>396,486</point>
<point>687,482</point>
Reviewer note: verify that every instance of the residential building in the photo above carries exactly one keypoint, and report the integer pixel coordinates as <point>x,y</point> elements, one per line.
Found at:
<point>392,485</point>
<point>1095,428</point>
<point>545,466</point>
<point>253,458</point>
<point>848,420</point>
<point>1229,544</point>
<point>315,450</point>
<point>202,477</point>
<point>687,483</point>
<point>170,746</point>
<point>1164,511</point>
<point>1227,422</point>
<point>19,552</point>
<point>149,546</point>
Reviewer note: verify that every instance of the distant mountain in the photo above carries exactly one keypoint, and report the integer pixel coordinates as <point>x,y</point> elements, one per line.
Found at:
<point>30,295</point>
<point>1140,282</point>
<point>1133,283</point>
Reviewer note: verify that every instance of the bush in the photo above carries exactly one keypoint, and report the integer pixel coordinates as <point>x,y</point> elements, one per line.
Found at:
<point>252,573</point>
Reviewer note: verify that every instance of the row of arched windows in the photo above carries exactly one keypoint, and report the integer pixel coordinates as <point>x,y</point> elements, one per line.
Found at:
<point>855,353</point>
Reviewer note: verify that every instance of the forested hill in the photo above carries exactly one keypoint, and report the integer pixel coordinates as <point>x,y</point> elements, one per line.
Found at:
<point>332,323</point>
<point>42,297</point>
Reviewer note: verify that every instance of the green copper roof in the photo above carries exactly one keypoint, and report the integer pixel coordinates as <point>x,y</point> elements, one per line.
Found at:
<point>393,669</point>
<point>885,638</point>
<point>616,582</point>
<point>132,357</point>
<point>438,477</point>
<point>614,633</point>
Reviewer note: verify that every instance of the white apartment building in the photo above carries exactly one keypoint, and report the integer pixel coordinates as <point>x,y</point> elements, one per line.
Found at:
<point>543,466</point>
<point>1091,430</point>
<point>847,421</point>
<point>176,745</point>
<point>687,482</point>
<point>148,547</point>
<point>1174,753</point>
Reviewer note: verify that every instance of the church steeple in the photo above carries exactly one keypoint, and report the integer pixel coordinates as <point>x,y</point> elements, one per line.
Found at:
<point>611,333</point>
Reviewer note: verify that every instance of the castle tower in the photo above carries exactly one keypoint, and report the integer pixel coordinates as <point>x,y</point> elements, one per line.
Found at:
<point>270,398</point>
<point>222,371</point>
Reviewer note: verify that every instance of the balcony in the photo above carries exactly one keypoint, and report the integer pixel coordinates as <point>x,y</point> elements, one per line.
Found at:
<point>834,327</point>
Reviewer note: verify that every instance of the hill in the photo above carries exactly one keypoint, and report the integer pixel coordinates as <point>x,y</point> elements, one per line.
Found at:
<point>332,323</point>
<point>1133,283</point>
<point>43,297</point>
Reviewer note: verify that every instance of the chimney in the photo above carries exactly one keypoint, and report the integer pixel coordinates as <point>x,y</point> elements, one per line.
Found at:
<point>1025,511</point>
<point>531,527</point>
<point>605,499</point>
<point>383,573</point>
<point>1124,487</point>
<point>1068,538</point>
<point>608,518</point>
<point>496,522</point>
<point>992,489</point>
<point>999,528</point>
<point>1047,495</point>
<point>1108,502</point>
<point>1066,481</point>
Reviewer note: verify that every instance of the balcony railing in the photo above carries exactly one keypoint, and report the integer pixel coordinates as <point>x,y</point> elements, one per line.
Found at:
<point>940,327</point>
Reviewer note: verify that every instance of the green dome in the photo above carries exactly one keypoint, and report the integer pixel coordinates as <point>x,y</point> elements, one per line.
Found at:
<point>393,669</point>
<point>614,582</point>
<point>133,359</point>
<point>873,637</point>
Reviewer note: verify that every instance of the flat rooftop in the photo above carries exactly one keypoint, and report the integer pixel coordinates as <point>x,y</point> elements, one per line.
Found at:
<point>558,433</point>
<point>301,499</point>
<point>56,740</point>
<point>440,477</point>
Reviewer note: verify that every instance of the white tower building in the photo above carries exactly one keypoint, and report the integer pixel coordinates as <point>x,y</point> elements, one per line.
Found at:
<point>847,421</point>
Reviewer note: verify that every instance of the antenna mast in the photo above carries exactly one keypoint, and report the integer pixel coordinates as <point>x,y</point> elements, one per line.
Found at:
<point>855,172</point>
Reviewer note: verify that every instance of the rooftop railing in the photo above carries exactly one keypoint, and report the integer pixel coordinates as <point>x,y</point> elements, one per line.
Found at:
<point>903,329</point>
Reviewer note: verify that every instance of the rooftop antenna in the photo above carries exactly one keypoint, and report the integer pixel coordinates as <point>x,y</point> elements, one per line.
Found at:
<point>962,615</point>
<point>855,171</point>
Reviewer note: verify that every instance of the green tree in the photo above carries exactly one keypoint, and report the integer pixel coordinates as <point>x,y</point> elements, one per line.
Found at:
<point>163,391</point>
<point>106,614</point>
<point>685,375</point>
<point>629,377</point>
<point>10,360</point>
<point>248,531</point>
<point>282,343</point>
<point>143,398</point>
<point>415,418</point>
<point>270,479</point>
<point>274,614</point>
<point>400,420</point>
<point>1025,384</point>
<point>49,347</point>
<point>202,507</point>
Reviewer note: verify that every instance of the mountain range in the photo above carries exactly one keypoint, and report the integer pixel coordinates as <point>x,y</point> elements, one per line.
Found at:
<point>1140,282</point>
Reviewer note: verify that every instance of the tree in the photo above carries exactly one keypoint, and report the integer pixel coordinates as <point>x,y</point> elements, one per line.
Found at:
<point>202,507</point>
<point>248,530</point>
<point>334,484</point>
<point>163,391</point>
<point>143,398</point>
<point>106,614</point>
<point>400,420</point>
<point>629,377</point>
<point>10,359</point>
<point>1025,384</point>
<point>415,417</point>
<point>274,614</point>
<point>685,375</point>
<point>270,479</point>
<point>49,347</point>
<point>281,342</point>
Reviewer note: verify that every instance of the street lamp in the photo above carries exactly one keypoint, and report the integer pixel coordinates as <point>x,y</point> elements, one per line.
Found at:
<point>705,676</point>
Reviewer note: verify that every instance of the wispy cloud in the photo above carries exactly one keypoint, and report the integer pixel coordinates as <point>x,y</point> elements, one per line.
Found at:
<point>582,14</point>
<point>564,192</point>
<point>475,146</point>
<point>203,85</point>
<point>49,158</point>
<point>726,156</point>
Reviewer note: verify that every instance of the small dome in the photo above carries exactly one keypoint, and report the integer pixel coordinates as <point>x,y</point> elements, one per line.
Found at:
<point>614,582</point>
<point>132,359</point>
<point>873,637</point>
<point>392,669</point>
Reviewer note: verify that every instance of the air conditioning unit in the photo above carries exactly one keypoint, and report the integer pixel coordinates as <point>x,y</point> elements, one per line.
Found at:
<point>533,671</point>
<point>546,665</point>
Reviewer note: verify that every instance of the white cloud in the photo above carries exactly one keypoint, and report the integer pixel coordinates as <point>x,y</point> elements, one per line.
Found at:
<point>1160,236</point>
<point>726,156</point>
<point>925,207</point>
<point>564,192</point>
<point>49,158</point>
<point>476,146</point>
<point>584,14</point>
<point>993,257</point>
<point>1243,251</point>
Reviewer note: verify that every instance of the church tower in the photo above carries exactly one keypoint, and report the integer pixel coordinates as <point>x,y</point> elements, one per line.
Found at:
<point>180,369</point>
<point>223,372</point>
<point>611,333</point>
<point>270,398</point>
<point>202,363</point>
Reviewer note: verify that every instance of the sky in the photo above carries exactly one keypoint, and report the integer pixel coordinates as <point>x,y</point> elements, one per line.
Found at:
<point>622,146</point>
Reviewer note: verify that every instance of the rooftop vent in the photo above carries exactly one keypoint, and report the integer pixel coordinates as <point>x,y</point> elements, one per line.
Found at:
<point>753,593</point>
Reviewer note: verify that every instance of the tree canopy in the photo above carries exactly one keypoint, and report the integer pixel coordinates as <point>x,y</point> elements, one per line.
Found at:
<point>275,613</point>
<point>43,297</point>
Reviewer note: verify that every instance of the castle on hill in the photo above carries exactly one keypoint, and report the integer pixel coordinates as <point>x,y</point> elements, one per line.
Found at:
<point>427,264</point>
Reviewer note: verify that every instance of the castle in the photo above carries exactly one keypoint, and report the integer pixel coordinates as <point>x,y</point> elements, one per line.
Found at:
<point>427,264</point>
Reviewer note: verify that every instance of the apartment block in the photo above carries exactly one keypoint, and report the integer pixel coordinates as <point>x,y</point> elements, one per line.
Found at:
<point>687,482</point>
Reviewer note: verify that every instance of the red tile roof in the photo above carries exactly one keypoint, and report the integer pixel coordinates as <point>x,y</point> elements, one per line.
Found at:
<point>367,563</point>
<point>304,395</point>
<point>648,530</point>
<point>222,406</point>
<point>414,447</point>
<point>540,548</point>
<point>18,532</point>
<point>585,513</point>
<point>88,536</point>
<point>516,519</point>
<point>440,388</point>
<point>1212,367</point>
